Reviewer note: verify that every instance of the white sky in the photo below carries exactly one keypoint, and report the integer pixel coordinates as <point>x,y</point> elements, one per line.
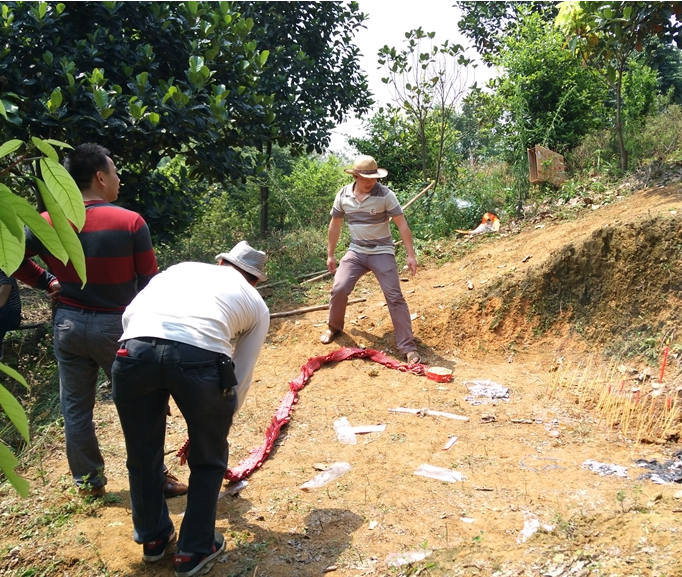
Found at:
<point>387,23</point>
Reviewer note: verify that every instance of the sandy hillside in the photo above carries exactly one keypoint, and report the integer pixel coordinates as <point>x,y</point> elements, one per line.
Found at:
<point>533,310</point>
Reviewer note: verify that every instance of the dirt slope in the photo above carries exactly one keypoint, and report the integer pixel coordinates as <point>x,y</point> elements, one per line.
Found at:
<point>556,294</point>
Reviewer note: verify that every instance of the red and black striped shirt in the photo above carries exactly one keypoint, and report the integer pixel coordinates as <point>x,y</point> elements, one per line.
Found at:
<point>119,260</point>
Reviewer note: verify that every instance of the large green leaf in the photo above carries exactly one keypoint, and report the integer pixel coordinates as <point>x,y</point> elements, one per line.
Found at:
<point>45,148</point>
<point>40,227</point>
<point>9,217</point>
<point>64,230</point>
<point>11,250</point>
<point>12,373</point>
<point>9,147</point>
<point>14,411</point>
<point>59,143</point>
<point>8,462</point>
<point>64,190</point>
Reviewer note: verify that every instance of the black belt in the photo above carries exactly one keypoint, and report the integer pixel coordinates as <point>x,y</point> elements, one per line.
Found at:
<point>228,380</point>
<point>153,340</point>
<point>87,311</point>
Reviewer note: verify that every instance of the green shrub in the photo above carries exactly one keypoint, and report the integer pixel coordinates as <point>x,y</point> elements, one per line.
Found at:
<point>652,138</point>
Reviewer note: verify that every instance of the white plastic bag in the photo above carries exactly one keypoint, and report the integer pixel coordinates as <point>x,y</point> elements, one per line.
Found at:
<point>439,473</point>
<point>406,557</point>
<point>344,432</point>
<point>335,471</point>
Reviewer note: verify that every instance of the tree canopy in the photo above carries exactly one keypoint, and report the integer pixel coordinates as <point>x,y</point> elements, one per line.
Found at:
<point>312,69</point>
<point>312,72</point>
<point>210,81</point>
<point>487,23</point>
<point>605,35</point>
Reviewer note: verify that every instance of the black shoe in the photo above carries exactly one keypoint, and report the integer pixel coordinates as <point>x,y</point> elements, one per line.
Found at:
<point>156,549</point>
<point>186,565</point>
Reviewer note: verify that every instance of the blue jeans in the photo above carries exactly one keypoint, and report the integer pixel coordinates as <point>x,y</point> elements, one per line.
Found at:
<point>143,381</point>
<point>83,342</point>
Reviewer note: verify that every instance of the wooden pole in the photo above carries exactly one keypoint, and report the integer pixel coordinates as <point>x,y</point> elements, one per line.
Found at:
<point>423,192</point>
<point>327,273</point>
<point>297,278</point>
<point>310,309</point>
<point>264,286</point>
<point>310,274</point>
<point>409,202</point>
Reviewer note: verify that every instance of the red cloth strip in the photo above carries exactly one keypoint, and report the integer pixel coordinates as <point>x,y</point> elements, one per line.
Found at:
<point>257,455</point>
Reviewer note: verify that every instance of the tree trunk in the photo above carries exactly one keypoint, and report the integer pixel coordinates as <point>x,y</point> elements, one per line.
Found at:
<point>422,140</point>
<point>619,124</point>
<point>265,193</point>
<point>441,142</point>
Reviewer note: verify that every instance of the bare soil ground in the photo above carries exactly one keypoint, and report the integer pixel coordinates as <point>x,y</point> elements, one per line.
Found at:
<point>519,308</point>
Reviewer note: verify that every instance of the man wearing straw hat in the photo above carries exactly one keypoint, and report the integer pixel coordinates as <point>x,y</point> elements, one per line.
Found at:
<point>368,205</point>
<point>176,342</point>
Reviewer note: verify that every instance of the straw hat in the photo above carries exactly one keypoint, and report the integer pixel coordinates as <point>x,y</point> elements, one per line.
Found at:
<point>366,167</point>
<point>246,258</point>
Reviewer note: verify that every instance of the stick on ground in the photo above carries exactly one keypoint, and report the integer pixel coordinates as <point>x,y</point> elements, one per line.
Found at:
<point>309,309</point>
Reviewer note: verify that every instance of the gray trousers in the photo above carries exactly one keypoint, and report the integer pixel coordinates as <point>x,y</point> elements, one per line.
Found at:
<point>83,342</point>
<point>351,267</point>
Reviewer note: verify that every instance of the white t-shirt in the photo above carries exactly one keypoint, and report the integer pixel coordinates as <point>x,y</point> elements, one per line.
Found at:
<point>206,306</point>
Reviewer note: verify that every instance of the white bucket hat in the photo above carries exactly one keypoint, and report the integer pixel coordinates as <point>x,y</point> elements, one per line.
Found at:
<point>366,167</point>
<point>246,258</point>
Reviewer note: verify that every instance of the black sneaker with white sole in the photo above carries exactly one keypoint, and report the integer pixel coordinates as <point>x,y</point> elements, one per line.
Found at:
<point>187,565</point>
<point>156,549</point>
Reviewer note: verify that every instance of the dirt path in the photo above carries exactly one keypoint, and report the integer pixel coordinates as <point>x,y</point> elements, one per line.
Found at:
<point>521,459</point>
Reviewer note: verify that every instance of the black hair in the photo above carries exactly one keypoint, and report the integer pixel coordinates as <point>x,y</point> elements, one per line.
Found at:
<point>84,161</point>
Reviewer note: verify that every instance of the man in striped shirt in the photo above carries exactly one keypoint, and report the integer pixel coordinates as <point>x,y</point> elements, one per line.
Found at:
<point>368,205</point>
<point>120,261</point>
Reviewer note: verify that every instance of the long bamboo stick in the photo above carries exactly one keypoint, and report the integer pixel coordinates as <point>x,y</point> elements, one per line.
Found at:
<point>409,202</point>
<point>325,274</point>
<point>310,309</point>
<point>300,277</point>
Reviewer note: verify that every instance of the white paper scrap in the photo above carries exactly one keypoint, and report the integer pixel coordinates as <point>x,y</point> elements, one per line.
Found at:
<point>439,473</point>
<point>446,415</point>
<point>404,410</point>
<point>233,488</point>
<point>368,429</point>
<point>451,441</point>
